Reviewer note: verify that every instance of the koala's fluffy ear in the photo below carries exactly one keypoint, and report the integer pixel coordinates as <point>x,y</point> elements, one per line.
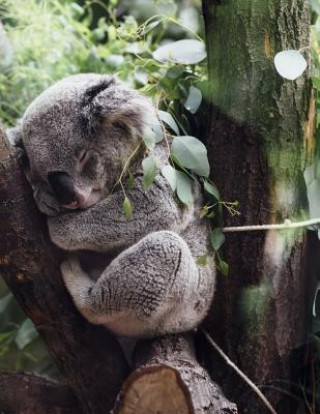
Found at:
<point>15,138</point>
<point>111,102</point>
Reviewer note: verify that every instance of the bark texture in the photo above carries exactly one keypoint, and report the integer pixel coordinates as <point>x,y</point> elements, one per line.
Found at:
<point>169,380</point>
<point>259,139</point>
<point>22,393</point>
<point>89,358</point>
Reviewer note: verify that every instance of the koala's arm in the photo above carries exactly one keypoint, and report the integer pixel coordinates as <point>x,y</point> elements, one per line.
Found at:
<point>104,227</point>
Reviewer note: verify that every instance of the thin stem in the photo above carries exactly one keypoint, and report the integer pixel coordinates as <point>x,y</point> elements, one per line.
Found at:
<point>126,165</point>
<point>239,372</point>
<point>286,225</point>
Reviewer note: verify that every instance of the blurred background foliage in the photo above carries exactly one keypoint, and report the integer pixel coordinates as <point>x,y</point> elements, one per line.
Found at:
<point>42,41</point>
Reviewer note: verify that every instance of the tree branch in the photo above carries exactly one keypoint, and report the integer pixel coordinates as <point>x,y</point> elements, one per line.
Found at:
<point>31,394</point>
<point>89,357</point>
<point>168,379</point>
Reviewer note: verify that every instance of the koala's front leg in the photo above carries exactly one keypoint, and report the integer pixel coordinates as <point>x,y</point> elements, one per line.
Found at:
<point>104,227</point>
<point>152,288</point>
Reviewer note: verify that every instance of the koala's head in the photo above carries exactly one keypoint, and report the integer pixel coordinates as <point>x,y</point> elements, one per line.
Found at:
<point>77,136</point>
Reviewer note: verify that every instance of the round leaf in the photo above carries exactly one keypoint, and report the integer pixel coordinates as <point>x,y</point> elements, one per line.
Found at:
<point>170,174</point>
<point>167,118</point>
<point>184,188</point>
<point>212,190</point>
<point>193,100</point>
<point>187,52</point>
<point>217,239</point>
<point>191,154</point>
<point>290,64</point>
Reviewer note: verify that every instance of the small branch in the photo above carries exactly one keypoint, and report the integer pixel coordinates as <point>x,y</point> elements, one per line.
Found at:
<point>168,379</point>
<point>33,394</point>
<point>286,225</point>
<point>239,372</point>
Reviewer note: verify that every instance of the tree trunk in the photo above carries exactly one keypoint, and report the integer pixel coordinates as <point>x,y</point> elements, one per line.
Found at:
<point>258,139</point>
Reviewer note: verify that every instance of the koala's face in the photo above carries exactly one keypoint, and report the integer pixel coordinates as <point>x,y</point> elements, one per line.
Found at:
<point>77,136</point>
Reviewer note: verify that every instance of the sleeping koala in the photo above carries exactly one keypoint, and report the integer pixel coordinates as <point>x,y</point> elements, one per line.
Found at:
<point>77,136</point>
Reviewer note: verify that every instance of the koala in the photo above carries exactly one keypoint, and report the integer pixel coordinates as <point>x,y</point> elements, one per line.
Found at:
<point>78,136</point>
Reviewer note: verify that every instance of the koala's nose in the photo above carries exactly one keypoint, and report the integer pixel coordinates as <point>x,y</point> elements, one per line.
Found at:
<point>63,187</point>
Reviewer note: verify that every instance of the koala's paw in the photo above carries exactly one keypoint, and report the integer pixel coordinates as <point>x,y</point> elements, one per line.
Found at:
<point>71,271</point>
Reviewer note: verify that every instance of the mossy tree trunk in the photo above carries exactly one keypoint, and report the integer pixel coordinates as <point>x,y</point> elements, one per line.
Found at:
<point>260,139</point>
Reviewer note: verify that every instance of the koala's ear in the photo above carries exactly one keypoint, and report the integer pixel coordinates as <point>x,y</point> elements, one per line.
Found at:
<point>110,102</point>
<point>15,138</point>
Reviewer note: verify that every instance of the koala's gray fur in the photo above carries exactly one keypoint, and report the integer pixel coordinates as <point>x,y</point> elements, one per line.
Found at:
<point>153,286</point>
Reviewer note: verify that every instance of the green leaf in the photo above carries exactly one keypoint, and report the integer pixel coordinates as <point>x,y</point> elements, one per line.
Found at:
<point>170,174</point>
<point>150,169</point>
<point>202,260</point>
<point>149,140</point>
<point>316,83</point>
<point>184,188</point>
<point>152,135</point>
<point>127,208</point>
<point>223,267</point>
<point>140,75</point>
<point>26,334</point>
<point>167,118</point>
<point>193,100</point>
<point>186,52</point>
<point>192,154</point>
<point>150,27</point>
<point>174,72</point>
<point>211,189</point>
<point>217,238</point>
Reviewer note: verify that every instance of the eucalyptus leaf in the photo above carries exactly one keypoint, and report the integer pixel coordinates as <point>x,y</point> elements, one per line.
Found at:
<point>175,72</point>
<point>193,100</point>
<point>26,334</point>
<point>217,238</point>
<point>168,119</point>
<point>150,27</point>
<point>202,260</point>
<point>316,83</point>
<point>223,267</point>
<point>149,140</point>
<point>127,208</point>
<point>150,169</point>
<point>140,75</point>
<point>290,64</point>
<point>187,52</point>
<point>211,189</point>
<point>191,154</point>
<point>170,174</point>
<point>184,188</point>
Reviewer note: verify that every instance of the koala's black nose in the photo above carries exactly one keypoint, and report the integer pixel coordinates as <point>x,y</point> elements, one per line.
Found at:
<point>63,187</point>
